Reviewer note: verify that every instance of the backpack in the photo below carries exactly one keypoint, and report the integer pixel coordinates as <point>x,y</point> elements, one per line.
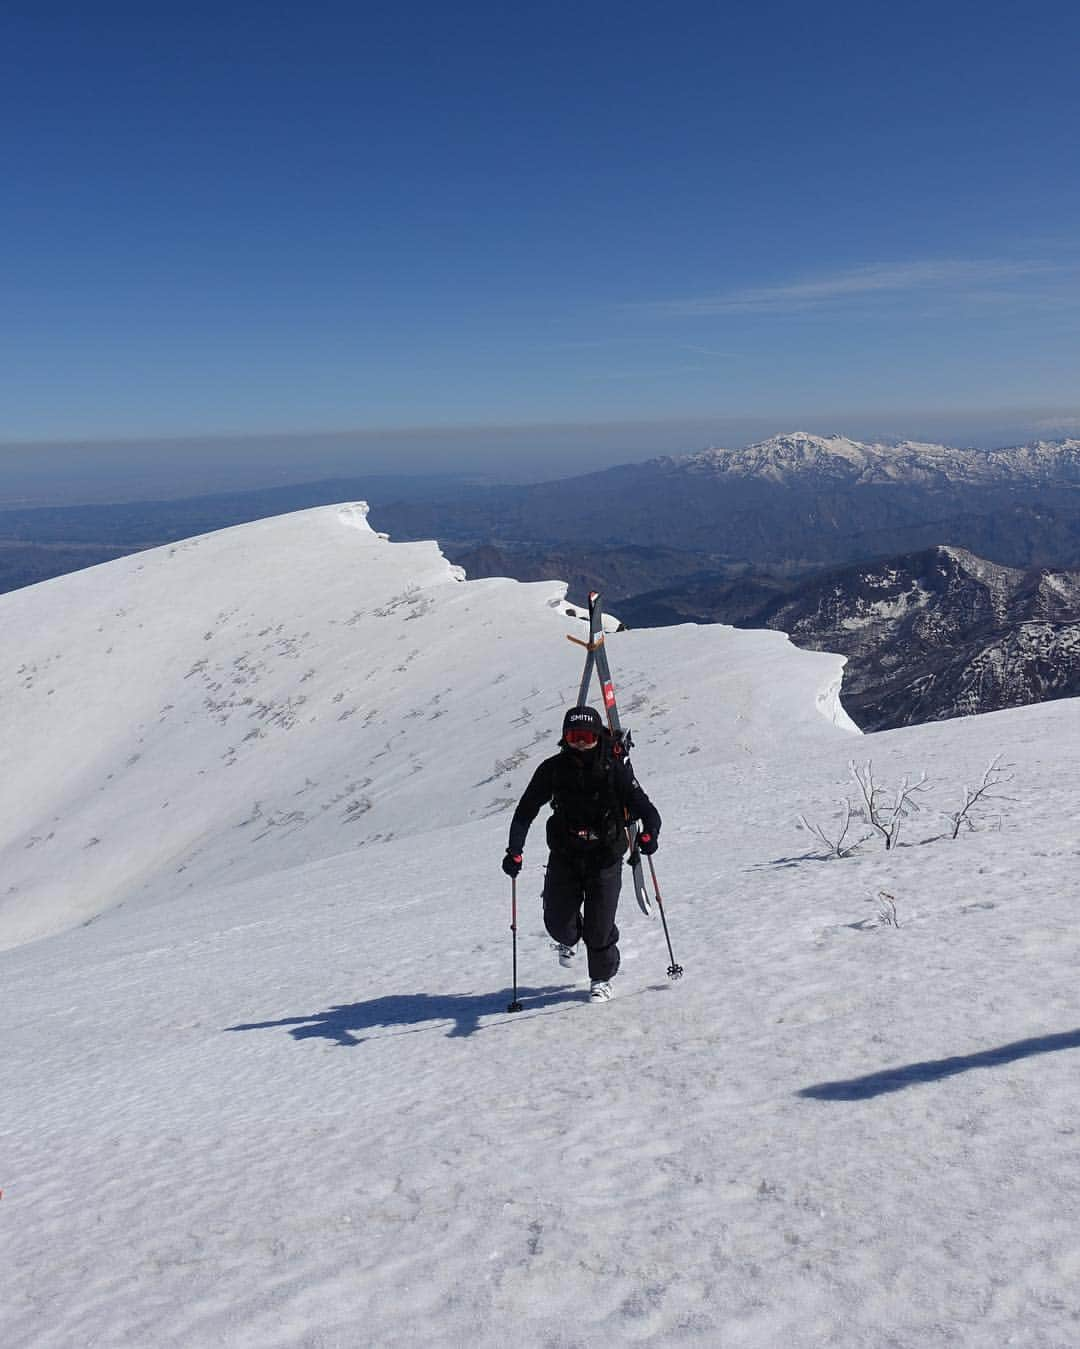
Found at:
<point>587,816</point>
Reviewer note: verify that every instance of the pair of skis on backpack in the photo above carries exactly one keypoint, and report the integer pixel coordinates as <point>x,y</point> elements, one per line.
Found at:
<point>596,660</point>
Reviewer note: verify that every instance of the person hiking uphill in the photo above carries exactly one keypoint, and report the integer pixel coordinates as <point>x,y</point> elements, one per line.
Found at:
<point>589,788</point>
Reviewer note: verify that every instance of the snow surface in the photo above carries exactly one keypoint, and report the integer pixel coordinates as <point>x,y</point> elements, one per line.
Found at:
<point>264,1091</point>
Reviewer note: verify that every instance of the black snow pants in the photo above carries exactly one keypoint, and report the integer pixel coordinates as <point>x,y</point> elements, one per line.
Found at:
<point>580,900</point>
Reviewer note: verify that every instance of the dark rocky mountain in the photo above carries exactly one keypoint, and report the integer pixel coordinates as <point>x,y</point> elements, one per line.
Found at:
<point>619,571</point>
<point>738,596</point>
<point>797,501</point>
<point>938,634</point>
<point>935,634</point>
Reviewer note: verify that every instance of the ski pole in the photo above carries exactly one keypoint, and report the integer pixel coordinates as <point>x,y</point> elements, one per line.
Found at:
<point>515,1006</point>
<point>674,971</point>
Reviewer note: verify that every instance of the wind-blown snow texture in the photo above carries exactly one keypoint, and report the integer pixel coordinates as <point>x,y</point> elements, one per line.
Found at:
<point>270,1095</point>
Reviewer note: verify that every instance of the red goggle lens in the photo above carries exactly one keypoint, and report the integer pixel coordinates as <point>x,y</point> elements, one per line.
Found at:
<point>581,739</point>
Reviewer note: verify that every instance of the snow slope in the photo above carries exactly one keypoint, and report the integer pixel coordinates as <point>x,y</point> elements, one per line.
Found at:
<point>275,1099</point>
<point>276,693</point>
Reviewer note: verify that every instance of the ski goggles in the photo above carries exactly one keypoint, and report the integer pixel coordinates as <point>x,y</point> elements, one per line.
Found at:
<point>581,739</point>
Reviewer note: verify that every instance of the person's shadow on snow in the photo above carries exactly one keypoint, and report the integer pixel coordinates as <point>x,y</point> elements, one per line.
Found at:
<point>407,1013</point>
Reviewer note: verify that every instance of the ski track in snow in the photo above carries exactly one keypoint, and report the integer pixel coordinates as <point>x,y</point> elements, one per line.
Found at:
<point>290,1109</point>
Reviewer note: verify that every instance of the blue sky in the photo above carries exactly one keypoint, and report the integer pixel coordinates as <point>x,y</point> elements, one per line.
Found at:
<point>229,218</point>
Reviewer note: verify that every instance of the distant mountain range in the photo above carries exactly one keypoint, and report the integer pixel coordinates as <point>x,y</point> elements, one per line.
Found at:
<point>801,458</point>
<point>796,500</point>
<point>788,504</point>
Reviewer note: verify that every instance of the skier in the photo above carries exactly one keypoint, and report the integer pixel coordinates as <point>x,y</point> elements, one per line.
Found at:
<point>591,791</point>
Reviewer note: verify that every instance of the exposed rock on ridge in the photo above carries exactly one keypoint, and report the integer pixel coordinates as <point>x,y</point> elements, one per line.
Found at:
<point>939,634</point>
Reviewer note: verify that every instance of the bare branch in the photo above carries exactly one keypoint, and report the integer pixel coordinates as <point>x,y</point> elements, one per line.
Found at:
<point>904,805</point>
<point>871,793</point>
<point>886,819</point>
<point>835,847</point>
<point>995,776</point>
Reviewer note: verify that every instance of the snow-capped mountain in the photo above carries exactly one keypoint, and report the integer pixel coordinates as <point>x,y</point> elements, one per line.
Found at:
<point>271,1095</point>
<point>801,457</point>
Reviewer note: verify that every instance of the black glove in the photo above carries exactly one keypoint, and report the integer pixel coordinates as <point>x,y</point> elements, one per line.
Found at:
<point>647,844</point>
<point>511,863</point>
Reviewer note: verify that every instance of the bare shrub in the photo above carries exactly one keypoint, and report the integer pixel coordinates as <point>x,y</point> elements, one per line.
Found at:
<point>883,815</point>
<point>975,799</point>
<point>835,840</point>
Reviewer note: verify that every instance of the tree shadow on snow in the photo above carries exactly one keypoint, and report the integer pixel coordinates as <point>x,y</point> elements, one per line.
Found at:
<point>795,861</point>
<point>412,1010</point>
<point>933,1070</point>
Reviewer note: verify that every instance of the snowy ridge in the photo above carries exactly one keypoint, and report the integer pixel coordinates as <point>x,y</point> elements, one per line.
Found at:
<point>283,691</point>
<point>292,1109</point>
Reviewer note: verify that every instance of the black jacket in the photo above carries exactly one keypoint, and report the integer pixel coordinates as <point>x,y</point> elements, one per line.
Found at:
<point>570,776</point>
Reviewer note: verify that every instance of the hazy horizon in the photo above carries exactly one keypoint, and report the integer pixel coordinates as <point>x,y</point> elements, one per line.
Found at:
<point>87,471</point>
